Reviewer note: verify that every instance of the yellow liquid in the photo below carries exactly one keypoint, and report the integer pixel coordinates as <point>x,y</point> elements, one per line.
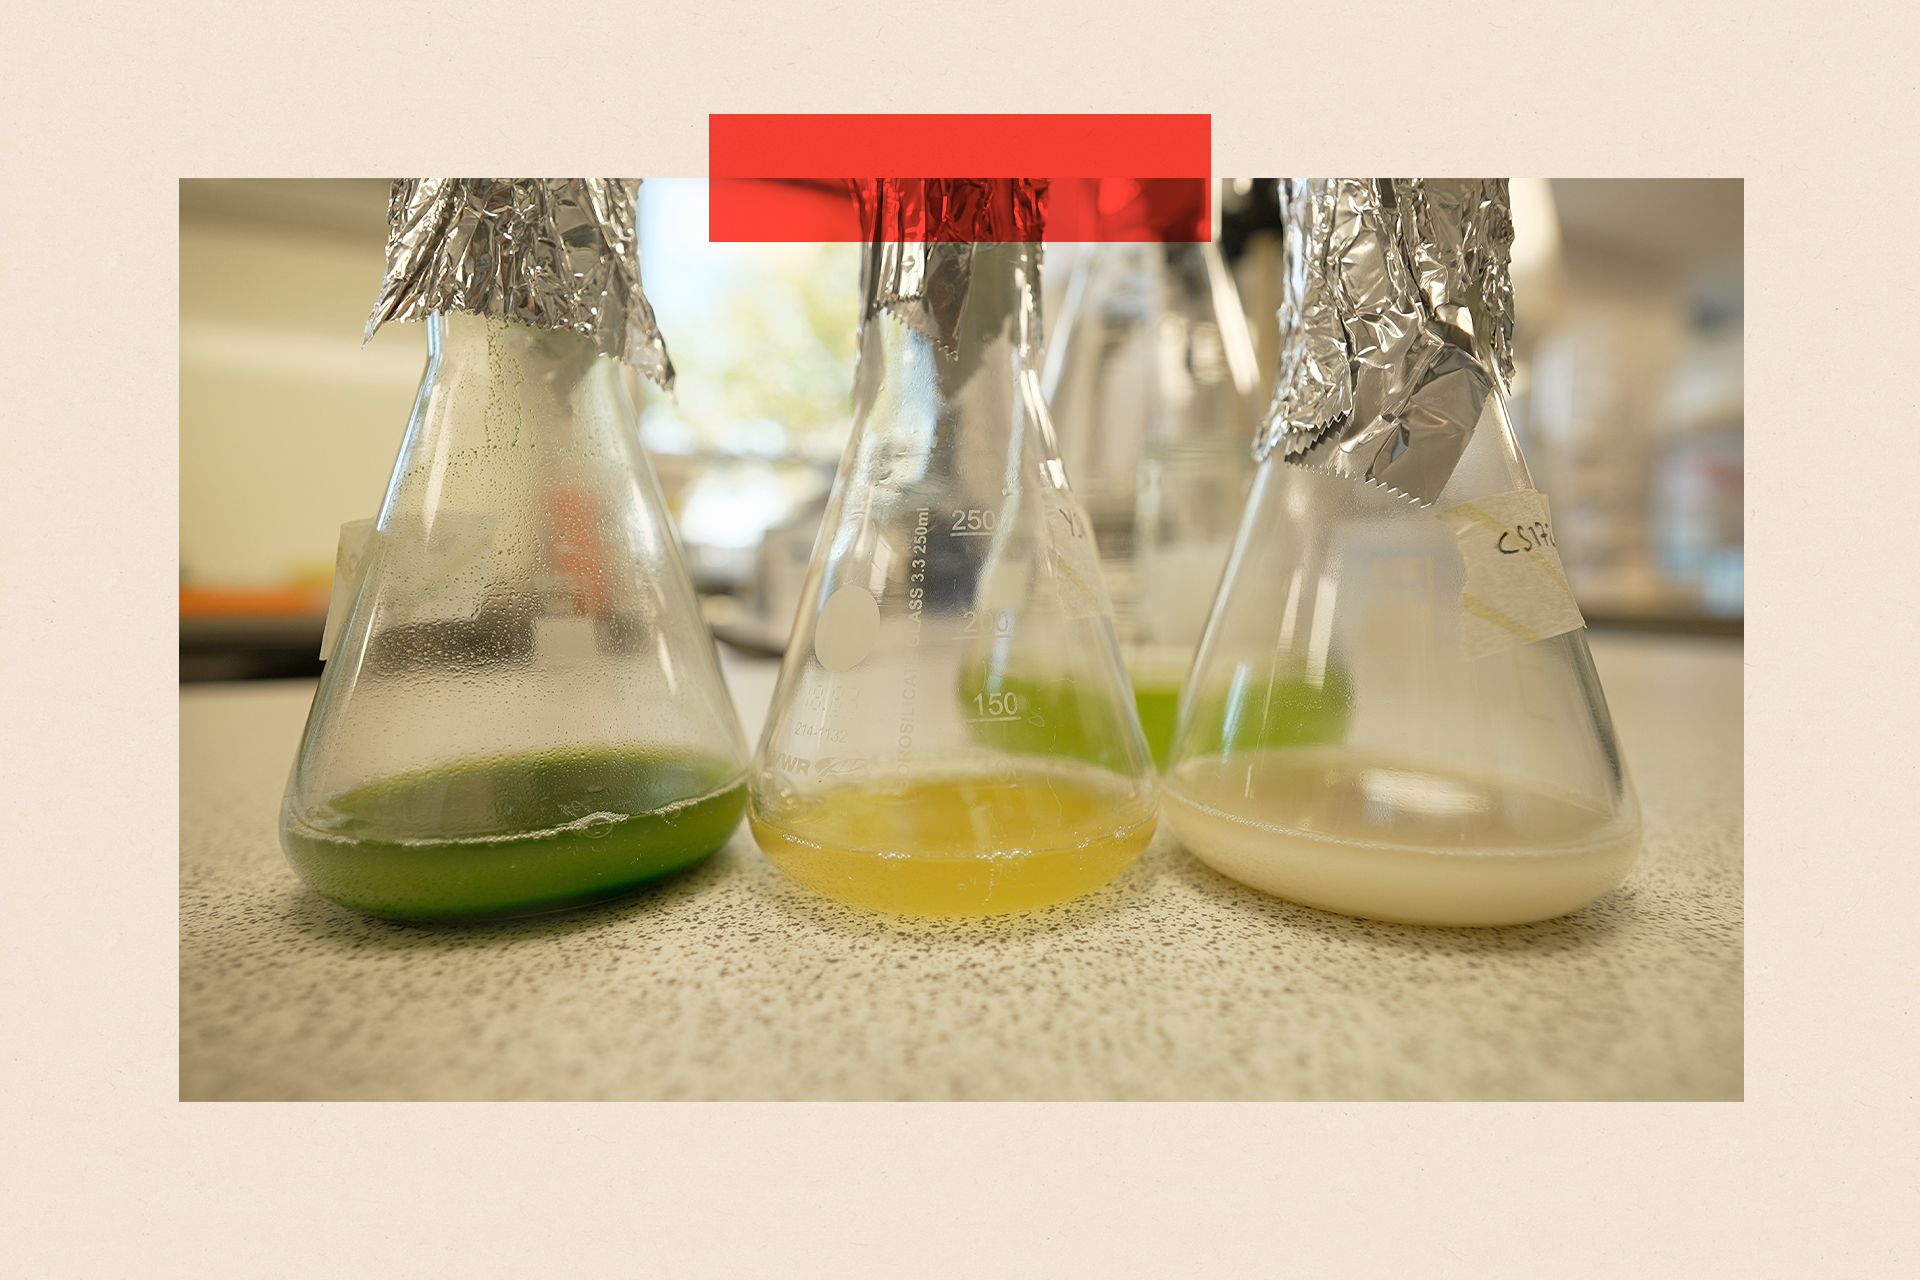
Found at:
<point>961,845</point>
<point>1378,839</point>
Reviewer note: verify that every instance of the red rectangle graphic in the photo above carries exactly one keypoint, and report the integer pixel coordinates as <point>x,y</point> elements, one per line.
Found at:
<point>1108,177</point>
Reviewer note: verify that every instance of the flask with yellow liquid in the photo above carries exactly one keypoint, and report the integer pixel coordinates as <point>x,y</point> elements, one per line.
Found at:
<point>952,733</point>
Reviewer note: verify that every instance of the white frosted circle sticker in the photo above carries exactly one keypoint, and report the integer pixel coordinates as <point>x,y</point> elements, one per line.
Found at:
<point>849,624</point>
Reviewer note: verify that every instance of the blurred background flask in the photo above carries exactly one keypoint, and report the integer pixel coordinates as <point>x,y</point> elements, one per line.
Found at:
<point>523,711</point>
<point>1393,712</point>
<point>1150,380</point>
<point>952,733</point>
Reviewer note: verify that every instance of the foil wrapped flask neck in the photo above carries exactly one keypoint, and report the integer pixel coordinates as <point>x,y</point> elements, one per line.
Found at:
<point>553,253</point>
<point>920,235</point>
<point>1397,323</point>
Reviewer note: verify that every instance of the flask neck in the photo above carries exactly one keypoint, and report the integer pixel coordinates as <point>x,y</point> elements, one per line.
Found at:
<point>919,406</point>
<point>502,403</point>
<point>995,323</point>
<point>543,368</point>
<point>1003,302</point>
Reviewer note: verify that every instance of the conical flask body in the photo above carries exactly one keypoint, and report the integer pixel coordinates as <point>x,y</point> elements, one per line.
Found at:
<point>1149,380</point>
<point>1357,735</point>
<point>523,712</point>
<point>952,732</point>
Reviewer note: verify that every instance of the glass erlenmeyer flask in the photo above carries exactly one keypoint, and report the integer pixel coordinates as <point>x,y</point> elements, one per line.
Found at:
<point>952,732</point>
<point>1393,712</point>
<point>524,712</point>
<point>1149,379</point>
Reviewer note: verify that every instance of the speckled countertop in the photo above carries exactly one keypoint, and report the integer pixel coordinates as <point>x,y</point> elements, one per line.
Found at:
<point>1171,983</point>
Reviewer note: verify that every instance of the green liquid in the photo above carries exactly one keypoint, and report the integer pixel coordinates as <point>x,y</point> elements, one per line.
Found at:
<point>1033,716</point>
<point>516,836</point>
<point>1159,707</point>
<point>1283,712</point>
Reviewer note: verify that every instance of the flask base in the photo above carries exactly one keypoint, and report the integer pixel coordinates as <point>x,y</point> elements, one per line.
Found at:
<point>959,846</point>
<point>1301,829</point>
<point>641,819</point>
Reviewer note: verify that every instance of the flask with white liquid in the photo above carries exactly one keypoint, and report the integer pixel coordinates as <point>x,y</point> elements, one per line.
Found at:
<point>1393,713</point>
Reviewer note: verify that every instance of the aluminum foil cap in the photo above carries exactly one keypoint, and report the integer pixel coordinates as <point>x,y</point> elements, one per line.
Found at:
<point>920,234</point>
<point>555,253</point>
<point>1396,322</point>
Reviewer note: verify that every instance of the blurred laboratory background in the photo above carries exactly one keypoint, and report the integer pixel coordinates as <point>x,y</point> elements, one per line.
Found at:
<point>1628,396</point>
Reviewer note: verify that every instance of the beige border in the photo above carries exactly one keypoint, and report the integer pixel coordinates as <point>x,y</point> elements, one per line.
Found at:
<point>108,1176</point>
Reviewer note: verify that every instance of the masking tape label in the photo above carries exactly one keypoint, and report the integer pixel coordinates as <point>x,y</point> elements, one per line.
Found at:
<point>1516,591</point>
<point>349,567</point>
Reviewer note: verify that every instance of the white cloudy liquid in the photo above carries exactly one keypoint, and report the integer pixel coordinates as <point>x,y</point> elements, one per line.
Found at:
<point>1379,839</point>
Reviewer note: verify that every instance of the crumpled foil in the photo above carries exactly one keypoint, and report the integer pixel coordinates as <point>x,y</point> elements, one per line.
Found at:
<point>555,253</point>
<point>1396,322</point>
<point>920,235</point>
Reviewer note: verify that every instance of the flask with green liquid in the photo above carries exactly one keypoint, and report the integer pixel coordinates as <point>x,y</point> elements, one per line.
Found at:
<point>523,711</point>
<point>1149,379</point>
